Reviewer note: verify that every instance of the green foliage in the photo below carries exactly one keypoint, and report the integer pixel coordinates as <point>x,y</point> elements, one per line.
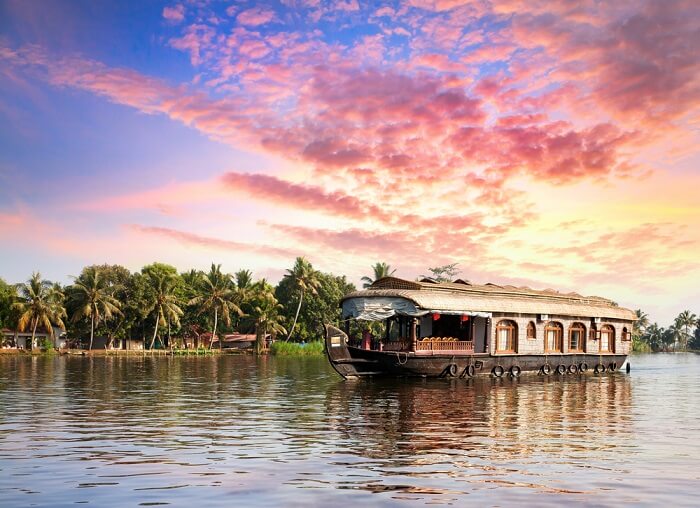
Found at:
<point>92,297</point>
<point>318,309</point>
<point>8,295</point>
<point>304,280</point>
<point>217,294</point>
<point>263,312</point>
<point>164,290</point>
<point>40,304</point>
<point>46,344</point>
<point>282,348</point>
<point>694,343</point>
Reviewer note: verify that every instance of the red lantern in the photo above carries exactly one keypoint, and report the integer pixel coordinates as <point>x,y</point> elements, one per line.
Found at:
<point>436,316</point>
<point>465,318</point>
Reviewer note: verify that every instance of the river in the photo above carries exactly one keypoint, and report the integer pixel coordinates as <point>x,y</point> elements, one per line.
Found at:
<point>246,431</point>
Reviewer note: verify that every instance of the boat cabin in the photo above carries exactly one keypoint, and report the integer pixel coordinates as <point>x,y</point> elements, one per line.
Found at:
<point>426,318</point>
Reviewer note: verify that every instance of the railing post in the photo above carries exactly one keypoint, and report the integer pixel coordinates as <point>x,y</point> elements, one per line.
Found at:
<point>414,338</point>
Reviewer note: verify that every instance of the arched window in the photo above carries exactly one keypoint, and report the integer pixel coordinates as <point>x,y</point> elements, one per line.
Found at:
<point>627,336</point>
<point>506,336</point>
<point>553,334</point>
<point>607,339</point>
<point>577,337</point>
<point>531,330</point>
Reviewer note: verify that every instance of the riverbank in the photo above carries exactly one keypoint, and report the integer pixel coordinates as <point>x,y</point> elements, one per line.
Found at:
<point>121,352</point>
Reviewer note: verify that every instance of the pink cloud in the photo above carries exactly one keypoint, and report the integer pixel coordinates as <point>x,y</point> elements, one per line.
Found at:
<point>175,13</point>
<point>275,190</point>
<point>256,16</point>
<point>193,239</point>
<point>346,5</point>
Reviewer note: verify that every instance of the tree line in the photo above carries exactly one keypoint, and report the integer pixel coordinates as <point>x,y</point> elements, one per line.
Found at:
<point>162,306</point>
<point>682,335</point>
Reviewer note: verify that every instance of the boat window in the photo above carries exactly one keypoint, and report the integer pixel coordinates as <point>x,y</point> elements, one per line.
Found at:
<point>577,335</point>
<point>553,334</point>
<point>531,330</point>
<point>607,339</point>
<point>506,334</point>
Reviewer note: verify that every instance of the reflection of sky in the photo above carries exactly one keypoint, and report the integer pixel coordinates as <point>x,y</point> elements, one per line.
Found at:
<point>532,145</point>
<point>279,431</point>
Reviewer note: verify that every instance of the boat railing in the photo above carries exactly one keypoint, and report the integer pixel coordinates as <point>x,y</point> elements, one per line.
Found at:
<point>395,346</point>
<point>444,344</point>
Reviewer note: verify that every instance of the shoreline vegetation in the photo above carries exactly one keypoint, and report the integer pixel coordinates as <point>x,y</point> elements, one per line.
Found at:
<point>109,308</point>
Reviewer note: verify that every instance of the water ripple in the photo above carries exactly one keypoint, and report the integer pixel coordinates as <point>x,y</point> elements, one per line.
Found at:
<point>265,432</point>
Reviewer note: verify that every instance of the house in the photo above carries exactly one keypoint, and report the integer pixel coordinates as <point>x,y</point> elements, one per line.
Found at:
<point>23,340</point>
<point>235,341</point>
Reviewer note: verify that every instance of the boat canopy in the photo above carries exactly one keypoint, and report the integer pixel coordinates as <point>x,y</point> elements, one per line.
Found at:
<point>381,308</point>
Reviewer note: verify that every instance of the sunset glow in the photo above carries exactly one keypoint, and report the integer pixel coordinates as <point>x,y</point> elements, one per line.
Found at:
<point>541,143</point>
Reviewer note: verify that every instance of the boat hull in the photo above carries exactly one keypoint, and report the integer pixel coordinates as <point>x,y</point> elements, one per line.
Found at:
<point>351,362</point>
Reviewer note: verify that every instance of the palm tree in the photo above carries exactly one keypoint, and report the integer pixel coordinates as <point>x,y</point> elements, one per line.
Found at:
<point>265,312</point>
<point>217,295</point>
<point>57,298</point>
<point>654,335</point>
<point>669,337</point>
<point>685,320</point>
<point>304,278</point>
<point>164,301</point>
<point>380,270</point>
<point>244,279</point>
<point>39,305</point>
<point>638,329</point>
<point>93,297</point>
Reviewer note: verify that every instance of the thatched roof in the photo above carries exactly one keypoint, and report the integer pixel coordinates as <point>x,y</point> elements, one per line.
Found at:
<point>463,296</point>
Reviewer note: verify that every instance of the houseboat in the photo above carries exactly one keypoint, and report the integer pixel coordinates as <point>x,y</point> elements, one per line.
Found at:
<point>459,329</point>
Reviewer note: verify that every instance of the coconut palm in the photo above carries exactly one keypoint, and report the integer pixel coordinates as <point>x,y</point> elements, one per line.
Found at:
<point>380,270</point>
<point>642,321</point>
<point>93,296</point>
<point>217,295</point>
<point>653,336</point>
<point>40,304</point>
<point>304,278</point>
<point>164,301</point>
<point>685,321</point>
<point>670,337</point>
<point>638,329</point>
<point>265,312</point>
<point>244,279</point>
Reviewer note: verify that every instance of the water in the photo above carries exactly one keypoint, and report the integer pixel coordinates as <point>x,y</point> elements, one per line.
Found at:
<point>269,432</point>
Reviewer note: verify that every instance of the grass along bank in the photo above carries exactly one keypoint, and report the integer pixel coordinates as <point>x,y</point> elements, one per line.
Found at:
<point>313,348</point>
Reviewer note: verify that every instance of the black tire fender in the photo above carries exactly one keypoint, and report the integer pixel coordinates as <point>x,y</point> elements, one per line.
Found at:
<point>514,371</point>
<point>468,371</point>
<point>573,368</point>
<point>561,369</point>
<point>583,367</point>
<point>497,371</point>
<point>599,369</point>
<point>546,369</point>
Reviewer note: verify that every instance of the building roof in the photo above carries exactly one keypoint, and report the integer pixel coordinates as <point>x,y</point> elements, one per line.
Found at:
<point>467,297</point>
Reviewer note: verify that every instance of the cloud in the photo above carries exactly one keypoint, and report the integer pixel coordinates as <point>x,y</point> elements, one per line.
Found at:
<point>175,14</point>
<point>256,16</point>
<point>195,240</point>
<point>275,190</point>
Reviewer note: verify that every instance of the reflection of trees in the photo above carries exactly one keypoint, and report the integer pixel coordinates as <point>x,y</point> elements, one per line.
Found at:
<point>482,418</point>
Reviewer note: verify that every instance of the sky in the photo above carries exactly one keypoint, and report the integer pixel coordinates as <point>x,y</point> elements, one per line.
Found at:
<point>548,144</point>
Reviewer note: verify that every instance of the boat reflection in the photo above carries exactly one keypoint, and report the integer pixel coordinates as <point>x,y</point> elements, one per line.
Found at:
<point>481,431</point>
